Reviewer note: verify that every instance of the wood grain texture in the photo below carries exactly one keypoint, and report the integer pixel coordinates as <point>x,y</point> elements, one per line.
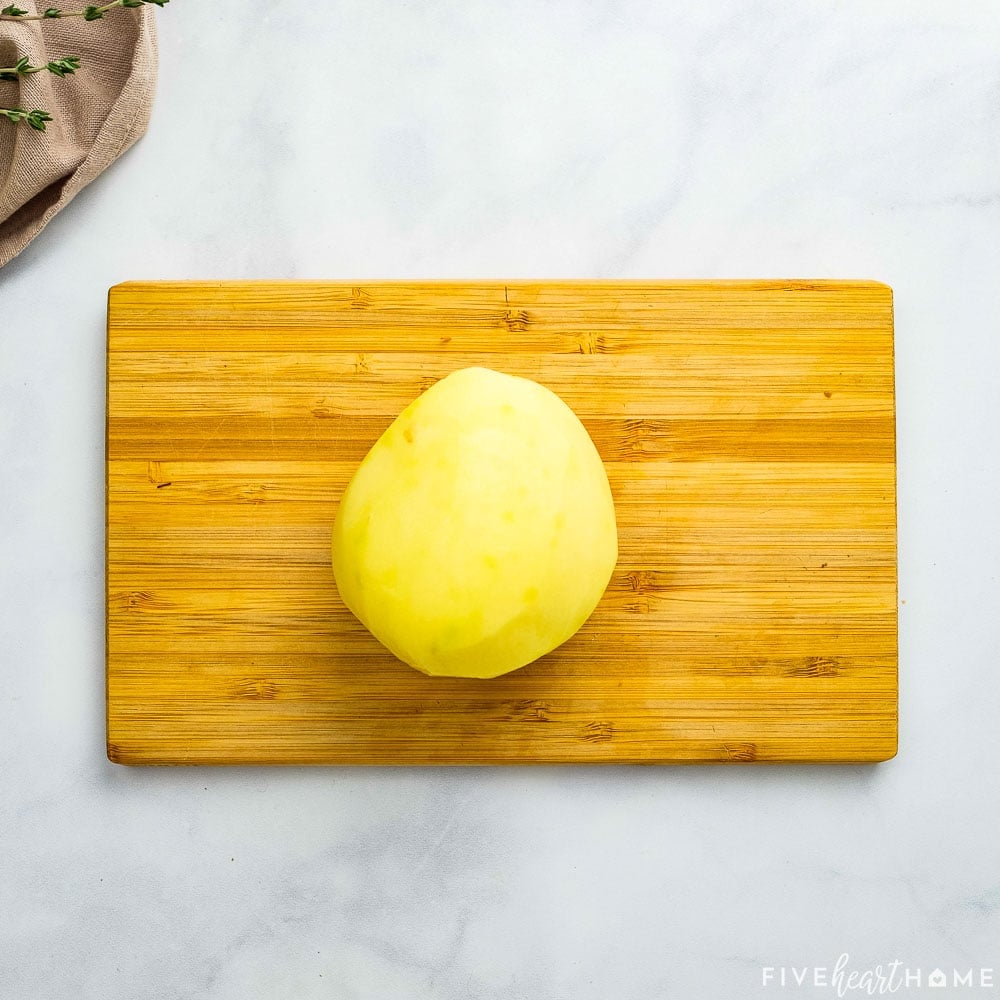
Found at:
<point>748,431</point>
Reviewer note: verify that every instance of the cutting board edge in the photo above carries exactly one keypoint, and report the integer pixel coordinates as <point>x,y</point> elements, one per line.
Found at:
<point>119,755</point>
<point>748,284</point>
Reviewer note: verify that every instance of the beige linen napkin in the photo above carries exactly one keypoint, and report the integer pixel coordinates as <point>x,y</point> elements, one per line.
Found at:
<point>97,113</point>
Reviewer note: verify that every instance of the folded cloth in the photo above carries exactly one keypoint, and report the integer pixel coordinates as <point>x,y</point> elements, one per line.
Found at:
<point>97,113</point>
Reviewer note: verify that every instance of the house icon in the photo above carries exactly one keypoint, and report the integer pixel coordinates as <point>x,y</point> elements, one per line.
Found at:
<point>937,978</point>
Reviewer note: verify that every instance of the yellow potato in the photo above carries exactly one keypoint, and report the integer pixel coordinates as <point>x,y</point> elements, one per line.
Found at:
<point>479,532</point>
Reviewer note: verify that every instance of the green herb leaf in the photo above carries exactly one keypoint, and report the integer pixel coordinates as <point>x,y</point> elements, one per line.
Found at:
<point>52,12</point>
<point>92,13</point>
<point>65,66</point>
<point>13,11</point>
<point>37,120</point>
<point>21,68</point>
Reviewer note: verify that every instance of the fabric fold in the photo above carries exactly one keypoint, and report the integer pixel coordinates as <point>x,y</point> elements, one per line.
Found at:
<point>98,112</point>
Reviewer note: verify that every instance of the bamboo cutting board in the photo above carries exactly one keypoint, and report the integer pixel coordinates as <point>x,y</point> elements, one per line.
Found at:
<point>748,433</point>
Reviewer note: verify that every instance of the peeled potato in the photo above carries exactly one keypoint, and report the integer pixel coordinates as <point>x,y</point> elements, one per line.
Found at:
<point>479,532</point>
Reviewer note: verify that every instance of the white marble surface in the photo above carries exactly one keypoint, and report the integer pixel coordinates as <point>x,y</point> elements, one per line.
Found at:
<point>485,139</point>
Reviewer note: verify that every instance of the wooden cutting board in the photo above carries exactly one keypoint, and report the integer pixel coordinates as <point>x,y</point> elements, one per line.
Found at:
<point>748,433</point>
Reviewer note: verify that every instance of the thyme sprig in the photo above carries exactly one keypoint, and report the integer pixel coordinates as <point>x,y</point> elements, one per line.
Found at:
<point>60,67</point>
<point>36,119</point>
<point>91,12</point>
